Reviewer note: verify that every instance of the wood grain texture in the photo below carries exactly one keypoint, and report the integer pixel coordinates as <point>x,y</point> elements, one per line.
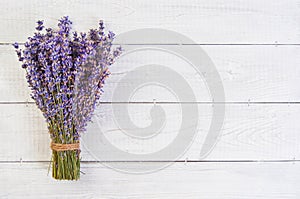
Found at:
<point>255,132</point>
<point>213,22</point>
<point>180,180</point>
<point>248,73</point>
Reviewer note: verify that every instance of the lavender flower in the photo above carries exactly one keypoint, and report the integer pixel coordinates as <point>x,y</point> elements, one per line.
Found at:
<point>66,73</point>
<point>40,25</point>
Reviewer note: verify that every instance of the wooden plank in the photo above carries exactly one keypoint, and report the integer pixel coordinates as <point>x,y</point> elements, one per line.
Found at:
<point>248,73</point>
<point>180,180</point>
<point>254,132</point>
<point>213,22</point>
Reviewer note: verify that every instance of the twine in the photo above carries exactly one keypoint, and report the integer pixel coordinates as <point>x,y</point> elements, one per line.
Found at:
<point>64,147</point>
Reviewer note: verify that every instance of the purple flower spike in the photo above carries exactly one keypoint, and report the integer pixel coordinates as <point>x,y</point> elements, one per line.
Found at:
<point>16,45</point>
<point>40,25</point>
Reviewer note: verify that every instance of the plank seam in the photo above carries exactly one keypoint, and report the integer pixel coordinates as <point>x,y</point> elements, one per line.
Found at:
<point>151,102</point>
<point>158,161</point>
<point>200,44</point>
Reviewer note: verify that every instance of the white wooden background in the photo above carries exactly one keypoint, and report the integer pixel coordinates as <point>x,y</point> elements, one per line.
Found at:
<point>255,45</point>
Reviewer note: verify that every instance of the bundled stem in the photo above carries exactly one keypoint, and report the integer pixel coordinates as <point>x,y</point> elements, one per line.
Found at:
<point>66,165</point>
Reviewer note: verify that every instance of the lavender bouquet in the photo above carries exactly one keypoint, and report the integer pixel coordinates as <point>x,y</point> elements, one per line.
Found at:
<point>66,72</point>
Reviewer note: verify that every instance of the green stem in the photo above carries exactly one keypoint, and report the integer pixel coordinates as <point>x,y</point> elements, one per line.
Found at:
<point>66,165</point>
